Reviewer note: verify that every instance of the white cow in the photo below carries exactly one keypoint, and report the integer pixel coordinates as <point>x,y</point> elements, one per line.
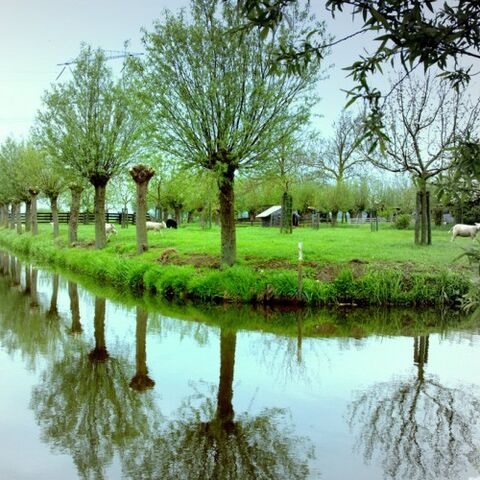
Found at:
<point>156,226</point>
<point>461,230</point>
<point>110,228</point>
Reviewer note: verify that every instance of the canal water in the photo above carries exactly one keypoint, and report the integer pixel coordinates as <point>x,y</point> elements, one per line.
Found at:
<point>100,389</point>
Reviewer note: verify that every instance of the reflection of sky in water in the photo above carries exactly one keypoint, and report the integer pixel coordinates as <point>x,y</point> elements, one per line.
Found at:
<point>316,390</point>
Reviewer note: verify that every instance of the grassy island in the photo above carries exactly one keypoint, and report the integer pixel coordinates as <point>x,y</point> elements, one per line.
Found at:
<point>342,265</point>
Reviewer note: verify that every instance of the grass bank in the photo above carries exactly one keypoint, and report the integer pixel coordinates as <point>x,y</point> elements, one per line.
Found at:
<point>342,265</point>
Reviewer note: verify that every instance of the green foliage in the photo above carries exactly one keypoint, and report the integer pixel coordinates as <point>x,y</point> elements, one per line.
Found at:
<point>471,214</point>
<point>383,287</point>
<point>402,221</point>
<point>345,286</point>
<point>172,282</point>
<point>99,144</point>
<point>283,284</point>
<point>413,32</point>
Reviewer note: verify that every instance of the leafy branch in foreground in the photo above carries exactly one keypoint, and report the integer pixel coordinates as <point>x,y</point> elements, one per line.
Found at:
<point>444,35</point>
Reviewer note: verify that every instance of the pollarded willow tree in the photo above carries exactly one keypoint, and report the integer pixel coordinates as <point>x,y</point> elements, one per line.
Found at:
<point>91,125</point>
<point>425,120</point>
<point>215,103</point>
<point>20,164</point>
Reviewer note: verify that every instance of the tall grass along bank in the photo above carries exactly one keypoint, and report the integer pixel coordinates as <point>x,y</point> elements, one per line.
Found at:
<point>169,272</point>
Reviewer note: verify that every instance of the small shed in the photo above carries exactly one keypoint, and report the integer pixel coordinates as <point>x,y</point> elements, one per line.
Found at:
<point>271,217</point>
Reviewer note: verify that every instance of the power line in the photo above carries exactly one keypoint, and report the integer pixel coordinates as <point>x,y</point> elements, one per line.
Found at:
<point>114,54</point>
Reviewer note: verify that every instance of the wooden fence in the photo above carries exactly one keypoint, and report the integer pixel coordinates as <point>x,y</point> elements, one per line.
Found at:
<point>84,217</point>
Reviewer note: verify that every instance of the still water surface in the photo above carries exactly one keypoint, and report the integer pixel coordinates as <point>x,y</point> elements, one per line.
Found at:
<point>92,388</point>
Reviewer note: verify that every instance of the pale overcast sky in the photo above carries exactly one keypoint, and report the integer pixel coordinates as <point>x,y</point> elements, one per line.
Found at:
<point>36,35</point>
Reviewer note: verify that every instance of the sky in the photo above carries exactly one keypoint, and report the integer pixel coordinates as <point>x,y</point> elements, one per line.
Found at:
<point>37,35</point>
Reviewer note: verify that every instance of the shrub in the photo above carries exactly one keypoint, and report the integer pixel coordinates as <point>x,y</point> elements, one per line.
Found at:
<point>402,222</point>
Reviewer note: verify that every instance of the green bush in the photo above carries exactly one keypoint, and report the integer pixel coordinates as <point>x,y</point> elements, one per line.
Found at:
<point>402,222</point>
<point>471,214</point>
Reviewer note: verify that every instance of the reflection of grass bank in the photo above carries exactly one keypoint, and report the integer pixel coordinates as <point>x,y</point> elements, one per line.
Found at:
<point>359,282</point>
<point>290,321</point>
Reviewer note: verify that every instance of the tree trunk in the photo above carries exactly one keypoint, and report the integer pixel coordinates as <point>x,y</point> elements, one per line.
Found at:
<point>420,354</point>
<point>27,280</point>
<point>54,207</point>
<point>251,216</point>
<point>141,381</point>
<point>99,353</point>
<point>417,217</point>
<point>16,271</point>
<point>4,222</point>
<point>429,219</point>
<point>53,310</point>
<point>423,228</point>
<point>423,216</point>
<point>33,211</point>
<point>76,194</point>
<point>18,220</point>
<point>4,257</point>
<point>158,213</point>
<point>141,175</point>
<point>228,250</point>
<point>74,308</point>
<point>286,216</point>
<point>28,218</point>
<point>334,217</point>
<point>178,215</point>
<point>124,217</point>
<point>99,202</point>
<point>225,412</point>
<point>33,288</point>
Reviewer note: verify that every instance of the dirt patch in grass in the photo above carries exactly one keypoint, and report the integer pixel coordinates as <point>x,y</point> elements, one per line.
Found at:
<point>319,271</point>
<point>327,273</point>
<point>198,260</point>
<point>258,263</point>
<point>84,244</point>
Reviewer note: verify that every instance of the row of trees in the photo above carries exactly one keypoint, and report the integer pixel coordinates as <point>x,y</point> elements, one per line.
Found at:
<point>205,99</point>
<point>203,96</point>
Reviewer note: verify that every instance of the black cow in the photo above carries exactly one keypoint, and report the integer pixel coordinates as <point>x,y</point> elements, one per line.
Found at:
<point>171,223</point>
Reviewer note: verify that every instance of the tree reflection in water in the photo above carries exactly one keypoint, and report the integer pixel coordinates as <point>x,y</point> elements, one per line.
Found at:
<point>52,312</point>
<point>419,428</point>
<point>85,407</point>
<point>141,381</point>
<point>206,440</point>
<point>34,304</point>
<point>5,262</point>
<point>24,326</point>
<point>76,325</point>
<point>99,353</point>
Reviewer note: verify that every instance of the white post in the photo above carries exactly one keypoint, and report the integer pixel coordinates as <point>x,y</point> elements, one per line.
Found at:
<point>300,276</point>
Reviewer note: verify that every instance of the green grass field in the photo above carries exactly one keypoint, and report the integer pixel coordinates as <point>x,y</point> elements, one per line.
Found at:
<point>341,244</point>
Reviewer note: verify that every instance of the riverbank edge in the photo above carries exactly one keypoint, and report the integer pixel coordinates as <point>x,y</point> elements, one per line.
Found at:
<point>378,285</point>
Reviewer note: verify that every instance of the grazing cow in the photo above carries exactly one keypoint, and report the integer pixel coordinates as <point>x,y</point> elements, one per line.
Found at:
<point>156,226</point>
<point>461,230</point>
<point>110,228</point>
<point>171,223</point>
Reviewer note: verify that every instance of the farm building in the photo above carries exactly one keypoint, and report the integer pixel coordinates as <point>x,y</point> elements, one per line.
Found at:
<point>272,217</point>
